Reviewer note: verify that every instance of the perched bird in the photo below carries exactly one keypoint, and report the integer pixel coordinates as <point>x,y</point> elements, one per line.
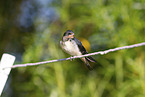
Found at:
<point>74,47</point>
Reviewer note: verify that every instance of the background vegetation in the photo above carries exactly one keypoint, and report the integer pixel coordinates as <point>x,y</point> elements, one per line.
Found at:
<point>31,30</point>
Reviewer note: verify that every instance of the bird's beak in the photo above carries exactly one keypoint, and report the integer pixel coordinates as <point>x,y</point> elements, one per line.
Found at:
<point>71,36</point>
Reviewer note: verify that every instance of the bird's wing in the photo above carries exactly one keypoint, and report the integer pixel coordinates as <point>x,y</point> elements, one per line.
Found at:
<point>81,47</point>
<point>83,50</point>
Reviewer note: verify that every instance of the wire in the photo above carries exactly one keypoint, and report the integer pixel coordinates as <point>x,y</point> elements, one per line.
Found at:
<point>74,57</point>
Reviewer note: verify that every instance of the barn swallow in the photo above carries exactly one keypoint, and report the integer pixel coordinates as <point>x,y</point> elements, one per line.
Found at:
<point>74,47</point>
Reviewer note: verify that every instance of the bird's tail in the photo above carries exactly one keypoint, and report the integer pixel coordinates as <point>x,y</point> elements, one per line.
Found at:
<point>91,59</point>
<point>87,63</point>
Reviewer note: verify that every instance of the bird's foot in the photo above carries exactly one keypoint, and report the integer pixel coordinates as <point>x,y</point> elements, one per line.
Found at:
<point>71,58</point>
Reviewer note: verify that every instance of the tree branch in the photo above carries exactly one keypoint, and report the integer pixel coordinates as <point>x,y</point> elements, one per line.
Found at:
<point>74,57</point>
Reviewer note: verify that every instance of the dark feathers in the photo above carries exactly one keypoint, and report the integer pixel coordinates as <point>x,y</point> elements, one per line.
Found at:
<point>81,47</point>
<point>83,51</point>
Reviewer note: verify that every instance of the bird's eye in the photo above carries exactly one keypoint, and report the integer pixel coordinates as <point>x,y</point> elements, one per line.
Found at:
<point>69,33</point>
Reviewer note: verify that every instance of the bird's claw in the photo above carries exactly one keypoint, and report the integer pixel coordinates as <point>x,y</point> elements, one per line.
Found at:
<point>71,58</point>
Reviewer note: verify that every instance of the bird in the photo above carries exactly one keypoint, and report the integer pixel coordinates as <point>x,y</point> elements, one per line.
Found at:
<point>71,45</point>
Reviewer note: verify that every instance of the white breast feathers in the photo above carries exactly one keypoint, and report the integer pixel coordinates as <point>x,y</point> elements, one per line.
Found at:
<point>70,47</point>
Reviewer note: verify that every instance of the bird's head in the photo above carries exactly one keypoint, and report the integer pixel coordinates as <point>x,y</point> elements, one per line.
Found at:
<point>67,35</point>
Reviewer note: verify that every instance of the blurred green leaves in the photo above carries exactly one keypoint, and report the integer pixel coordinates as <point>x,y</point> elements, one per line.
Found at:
<point>105,24</point>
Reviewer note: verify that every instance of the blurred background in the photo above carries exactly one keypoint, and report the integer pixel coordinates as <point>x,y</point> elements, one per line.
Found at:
<point>31,31</point>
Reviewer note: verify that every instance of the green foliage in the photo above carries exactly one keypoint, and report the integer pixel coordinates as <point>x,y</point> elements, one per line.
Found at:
<point>105,24</point>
